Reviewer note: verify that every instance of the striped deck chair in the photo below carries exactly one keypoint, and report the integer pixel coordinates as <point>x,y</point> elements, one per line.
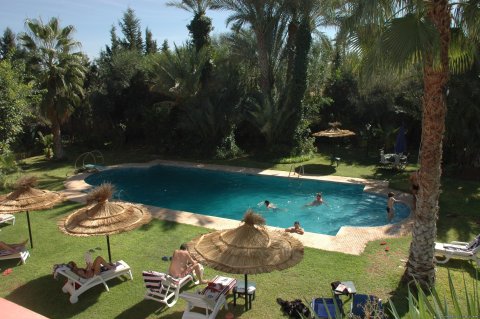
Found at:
<point>164,288</point>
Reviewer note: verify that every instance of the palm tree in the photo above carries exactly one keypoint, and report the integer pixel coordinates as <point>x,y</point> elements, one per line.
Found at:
<point>201,25</point>
<point>395,34</point>
<point>265,18</point>
<point>59,72</point>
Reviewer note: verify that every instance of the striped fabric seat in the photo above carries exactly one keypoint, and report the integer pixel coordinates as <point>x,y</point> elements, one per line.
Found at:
<point>162,287</point>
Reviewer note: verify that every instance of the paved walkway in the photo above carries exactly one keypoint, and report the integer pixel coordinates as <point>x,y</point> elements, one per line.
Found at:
<point>349,240</point>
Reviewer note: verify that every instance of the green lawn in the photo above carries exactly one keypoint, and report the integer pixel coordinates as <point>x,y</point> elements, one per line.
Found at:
<point>375,271</point>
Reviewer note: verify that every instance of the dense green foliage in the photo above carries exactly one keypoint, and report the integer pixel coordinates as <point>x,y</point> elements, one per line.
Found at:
<point>15,96</point>
<point>272,78</point>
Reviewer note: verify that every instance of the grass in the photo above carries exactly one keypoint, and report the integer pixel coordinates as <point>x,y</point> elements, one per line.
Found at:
<point>374,272</point>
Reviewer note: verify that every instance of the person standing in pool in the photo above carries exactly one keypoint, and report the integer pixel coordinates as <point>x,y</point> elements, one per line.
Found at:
<point>390,207</point>
<point>318,200</point>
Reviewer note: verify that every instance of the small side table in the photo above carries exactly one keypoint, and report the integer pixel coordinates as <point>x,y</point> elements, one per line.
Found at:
<point>352,290</point>
<point>239,290</point>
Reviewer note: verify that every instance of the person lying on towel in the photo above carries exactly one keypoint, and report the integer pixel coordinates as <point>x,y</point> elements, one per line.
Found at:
<point>183,264</point>
<point>92,269</point>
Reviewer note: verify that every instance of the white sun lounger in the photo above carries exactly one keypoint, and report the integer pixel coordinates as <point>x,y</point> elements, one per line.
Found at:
<point>20,253</point>
<point>164,288</point>
<point>7,218</point>
<point>458,249</point>
<point>210,300</point>
<point>77,285</point>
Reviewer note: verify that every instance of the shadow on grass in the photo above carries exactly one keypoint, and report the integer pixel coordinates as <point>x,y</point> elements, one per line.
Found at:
<point>45,296</point>
<point>144,309</point>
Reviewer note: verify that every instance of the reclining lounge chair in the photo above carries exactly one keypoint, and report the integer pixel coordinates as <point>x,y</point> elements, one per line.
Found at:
<point>458,249</point>
<point>7,218</point>
<point>77,285</point>
<point>210,300</point>
<point>20,252</point>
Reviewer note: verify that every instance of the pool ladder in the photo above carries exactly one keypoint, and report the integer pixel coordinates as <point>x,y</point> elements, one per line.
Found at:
<point>293,170</point>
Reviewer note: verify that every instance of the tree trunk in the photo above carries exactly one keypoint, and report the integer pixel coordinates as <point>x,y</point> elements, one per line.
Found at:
<point>420,262</point>
<point>57,141</point>
<point>264,64</point>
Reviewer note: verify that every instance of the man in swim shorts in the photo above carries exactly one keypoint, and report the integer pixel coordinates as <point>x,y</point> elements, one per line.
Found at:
<point>390,208</point>
<point>183,264</point>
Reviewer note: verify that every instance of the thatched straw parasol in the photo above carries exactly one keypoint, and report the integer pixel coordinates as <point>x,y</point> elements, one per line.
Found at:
<point>25,198</point>
<point>103,217</point>
<point>247,249</point>
<point>334,131</point>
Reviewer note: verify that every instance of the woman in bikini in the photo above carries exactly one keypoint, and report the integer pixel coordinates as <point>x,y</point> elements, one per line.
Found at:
<point>93,269</point>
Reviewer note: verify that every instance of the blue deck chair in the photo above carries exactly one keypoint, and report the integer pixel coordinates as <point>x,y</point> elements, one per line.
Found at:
<point>370,303</point>
<point>328,308</point>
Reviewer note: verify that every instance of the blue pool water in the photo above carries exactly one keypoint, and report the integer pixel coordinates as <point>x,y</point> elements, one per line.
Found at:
<point>229,195</point>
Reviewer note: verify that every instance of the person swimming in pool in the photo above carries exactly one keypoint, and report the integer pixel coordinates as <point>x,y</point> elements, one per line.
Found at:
<point>270,205</point>
<point>295,229</point>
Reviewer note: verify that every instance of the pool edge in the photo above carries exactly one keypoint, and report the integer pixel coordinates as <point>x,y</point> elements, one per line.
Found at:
<point>348,240</point>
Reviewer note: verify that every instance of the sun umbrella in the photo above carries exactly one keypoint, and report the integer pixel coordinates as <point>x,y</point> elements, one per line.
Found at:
<point>401,142</point>
<point>102,217</point>
<point>26,198</point>
<point>247,249</point>
<point>334,131</point>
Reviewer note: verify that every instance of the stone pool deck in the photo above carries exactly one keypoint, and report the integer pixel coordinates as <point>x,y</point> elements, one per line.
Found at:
<point>349,240</point>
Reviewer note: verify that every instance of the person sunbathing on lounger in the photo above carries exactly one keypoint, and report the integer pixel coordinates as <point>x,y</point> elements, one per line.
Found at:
<point>12,247</point>
<point>92,269</point>
<point>183,264</point>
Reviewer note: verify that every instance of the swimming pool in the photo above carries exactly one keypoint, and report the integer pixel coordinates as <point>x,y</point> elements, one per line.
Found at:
<point>229,195</point>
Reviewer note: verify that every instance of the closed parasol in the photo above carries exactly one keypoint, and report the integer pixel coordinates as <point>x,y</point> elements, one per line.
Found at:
<point>247,249</point>
<point>27,198</point>
<point>104,217</point>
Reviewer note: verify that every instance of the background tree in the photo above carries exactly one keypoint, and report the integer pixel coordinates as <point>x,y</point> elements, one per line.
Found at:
<point>150,43</point>
<point>15,99</point>
<point>399,33</point>
<point>7,43</point>
<point>131,29</point>
<point>59,72</point>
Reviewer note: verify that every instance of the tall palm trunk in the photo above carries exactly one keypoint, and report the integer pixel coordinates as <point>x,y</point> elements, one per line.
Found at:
<point>57,141</point>
<point>266,80</point>
<point>420,263</point>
